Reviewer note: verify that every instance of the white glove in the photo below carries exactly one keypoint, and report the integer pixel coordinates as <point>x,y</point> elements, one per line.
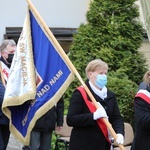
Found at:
<point>120,139</point>
<point>99,113</point>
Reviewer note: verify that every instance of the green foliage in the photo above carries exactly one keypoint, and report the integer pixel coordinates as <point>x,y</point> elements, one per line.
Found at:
<point>60,145</point>
<point>53,141</point>
<point>125,90</point>
<point>113,33</point>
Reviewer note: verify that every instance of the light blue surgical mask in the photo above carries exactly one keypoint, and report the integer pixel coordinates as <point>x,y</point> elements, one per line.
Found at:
<point>101,80</point>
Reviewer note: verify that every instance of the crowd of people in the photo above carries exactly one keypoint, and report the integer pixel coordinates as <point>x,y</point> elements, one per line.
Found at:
<point>89,131</point>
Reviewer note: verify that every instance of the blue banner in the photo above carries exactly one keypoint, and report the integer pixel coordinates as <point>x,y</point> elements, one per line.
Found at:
<point>52,78</point>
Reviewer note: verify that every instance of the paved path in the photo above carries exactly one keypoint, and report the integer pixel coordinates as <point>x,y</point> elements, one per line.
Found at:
<point>14,144</point>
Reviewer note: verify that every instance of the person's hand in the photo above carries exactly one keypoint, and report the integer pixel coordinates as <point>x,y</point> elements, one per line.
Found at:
<point>58,128</point>
<point>99,113</point>
<point>120,139</point>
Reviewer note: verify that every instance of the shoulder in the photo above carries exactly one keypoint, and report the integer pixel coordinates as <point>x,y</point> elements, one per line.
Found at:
<point>78,97</point>
<point>142,86</point>
<point>110,94</point>
<point>77,93</point>
<point>143,95</point>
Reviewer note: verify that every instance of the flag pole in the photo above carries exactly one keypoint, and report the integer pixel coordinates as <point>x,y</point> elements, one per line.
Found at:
<point>63,54</point>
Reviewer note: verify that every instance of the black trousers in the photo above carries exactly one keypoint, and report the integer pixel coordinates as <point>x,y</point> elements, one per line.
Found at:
<point>4,136</point>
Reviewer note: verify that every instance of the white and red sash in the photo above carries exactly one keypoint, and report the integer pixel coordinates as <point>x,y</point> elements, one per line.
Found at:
<point>144,94</point>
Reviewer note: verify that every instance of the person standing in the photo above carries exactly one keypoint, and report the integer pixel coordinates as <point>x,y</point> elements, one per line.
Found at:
<point>7,49</point>
<point>142,116</point>
<point>88,132</point>
<point>41,135</point>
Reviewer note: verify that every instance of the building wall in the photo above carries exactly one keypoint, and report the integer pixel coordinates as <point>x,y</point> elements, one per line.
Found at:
<point>145,49</point>
<point>60,13</point>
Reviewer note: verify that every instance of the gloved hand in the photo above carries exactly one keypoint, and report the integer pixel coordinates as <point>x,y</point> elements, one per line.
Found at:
<point>120,139</point>
<point>99,113</point>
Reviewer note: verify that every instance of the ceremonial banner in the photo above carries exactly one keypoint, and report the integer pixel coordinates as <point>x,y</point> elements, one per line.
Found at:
<point>38,78</point>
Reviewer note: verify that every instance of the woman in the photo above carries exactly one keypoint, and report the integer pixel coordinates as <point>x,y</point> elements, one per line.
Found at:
<point>88,132</point>
<point>142,116</point>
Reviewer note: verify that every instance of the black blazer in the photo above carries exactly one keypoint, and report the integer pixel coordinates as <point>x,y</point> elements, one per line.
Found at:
<point>52,118</point>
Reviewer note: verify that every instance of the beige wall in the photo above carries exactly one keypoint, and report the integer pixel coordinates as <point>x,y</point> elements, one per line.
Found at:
<point>60,14</point>
<point>145,49</point>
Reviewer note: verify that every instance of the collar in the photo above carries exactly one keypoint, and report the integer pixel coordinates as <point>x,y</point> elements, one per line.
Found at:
<point>101,93</point>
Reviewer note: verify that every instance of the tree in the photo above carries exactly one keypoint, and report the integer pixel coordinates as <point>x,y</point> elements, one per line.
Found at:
<point>113,33</point>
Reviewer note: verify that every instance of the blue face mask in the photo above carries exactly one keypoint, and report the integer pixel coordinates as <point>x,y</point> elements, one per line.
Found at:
<point>101,80</point>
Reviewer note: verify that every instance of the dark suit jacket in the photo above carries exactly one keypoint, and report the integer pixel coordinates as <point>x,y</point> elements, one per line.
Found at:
<point>52,118</point>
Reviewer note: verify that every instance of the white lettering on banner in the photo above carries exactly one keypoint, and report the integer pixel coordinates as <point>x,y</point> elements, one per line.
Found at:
<point>32,102</point>
<point>46,88</point>
<point>23,63</point>
<point>56,77</point>
<point>43,90</point>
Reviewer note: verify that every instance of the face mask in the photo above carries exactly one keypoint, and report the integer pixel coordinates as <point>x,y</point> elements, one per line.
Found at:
<point>10,58</point>
<point>101,80</point>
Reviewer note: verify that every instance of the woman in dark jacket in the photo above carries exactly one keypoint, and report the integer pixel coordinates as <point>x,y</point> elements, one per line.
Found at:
<point>86,134</point>
<point>142,117</point>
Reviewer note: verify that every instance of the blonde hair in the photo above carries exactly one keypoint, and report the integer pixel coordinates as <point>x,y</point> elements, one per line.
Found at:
<point>146,77</point>
<point>5,43</point>
<point>94,65</point>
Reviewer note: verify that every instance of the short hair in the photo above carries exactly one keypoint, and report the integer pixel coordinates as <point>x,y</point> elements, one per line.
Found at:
<point>146,77</point>
<point>94,65</point>
<point>5,43</point>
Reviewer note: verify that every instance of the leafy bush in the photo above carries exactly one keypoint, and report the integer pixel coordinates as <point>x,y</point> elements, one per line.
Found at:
<point>124,90</point>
